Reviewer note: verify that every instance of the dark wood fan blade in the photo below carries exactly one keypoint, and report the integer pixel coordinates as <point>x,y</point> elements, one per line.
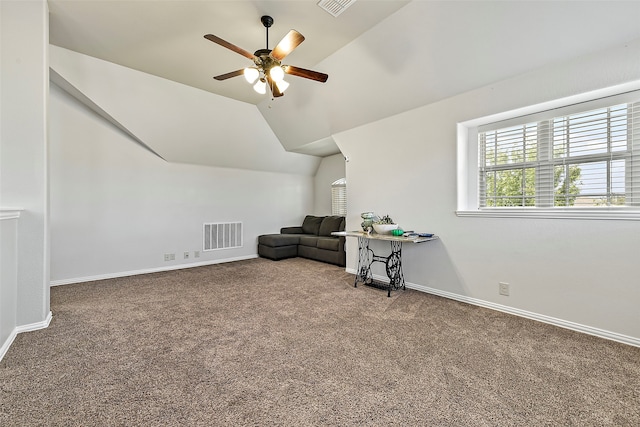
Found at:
<point>228,45</point>
<point>287,44</point>
<point>307,74</point>
<point>274,88</point>
<point>229,75</point>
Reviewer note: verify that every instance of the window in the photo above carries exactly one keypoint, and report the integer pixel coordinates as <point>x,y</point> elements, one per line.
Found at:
<point>576,158</point>
<point>339,197</point>
<point>583,159</point>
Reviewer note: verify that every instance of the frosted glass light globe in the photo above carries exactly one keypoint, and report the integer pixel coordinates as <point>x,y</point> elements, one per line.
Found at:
<point>251,74</point>
<point>276,73</point>
<point>282,86</point>
<point>260,87</point>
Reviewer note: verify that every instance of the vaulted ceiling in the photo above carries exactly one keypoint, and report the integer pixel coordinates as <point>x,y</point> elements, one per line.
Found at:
<point>382,57</point>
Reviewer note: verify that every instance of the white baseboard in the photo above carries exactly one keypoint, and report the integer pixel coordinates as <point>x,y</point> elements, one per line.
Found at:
<point>7,343</point>
<point>23,328</point>
<point>614,336</point>
<point>146,271</point>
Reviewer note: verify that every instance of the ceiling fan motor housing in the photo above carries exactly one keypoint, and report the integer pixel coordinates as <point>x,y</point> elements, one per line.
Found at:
<point>265,61</point>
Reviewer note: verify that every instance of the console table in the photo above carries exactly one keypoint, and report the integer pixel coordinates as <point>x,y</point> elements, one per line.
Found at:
<point>393,262</point>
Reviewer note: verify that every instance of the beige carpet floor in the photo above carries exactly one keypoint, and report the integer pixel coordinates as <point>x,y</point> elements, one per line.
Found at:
<point>293,343</point>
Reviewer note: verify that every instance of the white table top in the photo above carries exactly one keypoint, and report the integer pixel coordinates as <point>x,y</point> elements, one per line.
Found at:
<point>388,237</point>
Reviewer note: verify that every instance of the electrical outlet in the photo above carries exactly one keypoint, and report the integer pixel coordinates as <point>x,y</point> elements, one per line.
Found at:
<point>503,289</point>
<point>186,255</point>
<point>196,254</point>
<point>167,257</point>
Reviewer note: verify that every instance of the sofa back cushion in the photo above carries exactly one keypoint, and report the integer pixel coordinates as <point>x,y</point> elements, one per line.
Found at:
<point>311,224</point>
<point>331,224</point>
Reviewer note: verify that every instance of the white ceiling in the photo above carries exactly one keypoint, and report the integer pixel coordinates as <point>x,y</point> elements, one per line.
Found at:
<point>382,57</point>
<point>165,38</point>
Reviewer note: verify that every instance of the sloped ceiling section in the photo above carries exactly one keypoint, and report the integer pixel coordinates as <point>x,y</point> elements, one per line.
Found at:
<point>432,50</point>
<point>70,89</point>
<point>178,122</point>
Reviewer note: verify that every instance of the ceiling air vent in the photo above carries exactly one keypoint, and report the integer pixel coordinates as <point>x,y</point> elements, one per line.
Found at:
<point>335,7</point>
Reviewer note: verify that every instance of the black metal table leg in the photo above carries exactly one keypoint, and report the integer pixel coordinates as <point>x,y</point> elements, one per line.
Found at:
<point>393,262</point>
<point>394,267</point>
<point>365,258</point>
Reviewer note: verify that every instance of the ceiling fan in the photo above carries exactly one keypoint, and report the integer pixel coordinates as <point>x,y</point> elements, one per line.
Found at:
<point>269,70</point>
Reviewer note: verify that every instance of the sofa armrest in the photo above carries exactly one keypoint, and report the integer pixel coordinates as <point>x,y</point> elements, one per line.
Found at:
<point>291,230</point>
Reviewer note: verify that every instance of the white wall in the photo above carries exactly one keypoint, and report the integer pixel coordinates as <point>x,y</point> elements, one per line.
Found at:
<point>579,273</point>
<point>180,123</point>
<point>117,209</point>
<point>8,277</point>
<point>24,79</point>
<point>331,169</point>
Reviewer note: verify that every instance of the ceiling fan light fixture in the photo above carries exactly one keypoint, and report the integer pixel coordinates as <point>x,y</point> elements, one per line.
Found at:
<point>268,68</point>
<point>251,74</point>
<point>277,73</point>
<point>260,87</point>
<point>282,85</point>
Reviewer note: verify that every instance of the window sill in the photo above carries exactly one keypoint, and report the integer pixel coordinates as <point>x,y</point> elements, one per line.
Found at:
<point>573,213</point>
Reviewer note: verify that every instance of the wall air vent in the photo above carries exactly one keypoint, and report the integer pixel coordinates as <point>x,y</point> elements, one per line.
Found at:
<point>335,7</point>
<point>222,235</point>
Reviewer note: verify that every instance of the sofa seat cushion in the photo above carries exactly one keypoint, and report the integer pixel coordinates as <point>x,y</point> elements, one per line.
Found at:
<point>276,240</point>
<point>329,243</point>
<point>277,253</point>
<point>306,240</point>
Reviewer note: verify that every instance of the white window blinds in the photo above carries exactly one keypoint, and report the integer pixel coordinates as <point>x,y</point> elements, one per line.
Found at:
<point>584,158</point>
<point>339,197</point>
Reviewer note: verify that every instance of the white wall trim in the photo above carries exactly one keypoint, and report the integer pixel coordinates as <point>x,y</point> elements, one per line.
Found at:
<point>35,326</point>
<point>24,328</point>
<point>601,333</point>
<point>147,271</point>
<point>10,213</point>
<point>5,346</point>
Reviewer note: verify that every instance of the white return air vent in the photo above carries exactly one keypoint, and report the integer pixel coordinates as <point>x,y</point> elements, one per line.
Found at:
<point>222,235</point>
<point>335,7</point>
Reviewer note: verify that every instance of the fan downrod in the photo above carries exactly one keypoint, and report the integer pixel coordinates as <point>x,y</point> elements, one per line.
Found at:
<point>267,21</point>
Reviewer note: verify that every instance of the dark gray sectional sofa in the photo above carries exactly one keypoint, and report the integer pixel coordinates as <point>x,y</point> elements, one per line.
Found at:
<point>311,240</point>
